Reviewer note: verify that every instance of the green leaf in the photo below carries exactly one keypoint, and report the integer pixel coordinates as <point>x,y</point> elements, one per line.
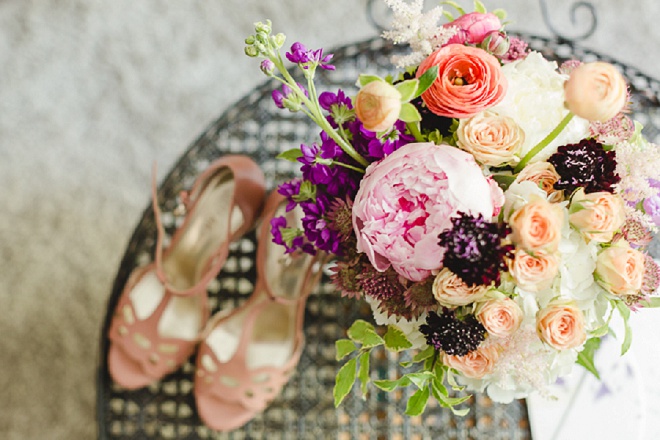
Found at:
<point>291,155</point>
<point>391,385</point>
<point>417,402</point>
<point>479,7</point>
<point>344,347</point>
<point>365,79</point>
<point>426,80</point>
<point>409,113</point>
<point>448,15</point>
<point>450,402</point>
<point>500,13</point>
<point>451,380</point>
<point>421,379</point>
<point>396,340</point>
<point>460,412</point>
<point>652,302</point>
<point>424,354</point>
<point>364,333</point>
<point>455,6</point>
<point>600,331</point>
<point>624,311</point>
<point>586,356</point>
<point>363,373</point>
<point>344,381</point>
<point>407,89</point>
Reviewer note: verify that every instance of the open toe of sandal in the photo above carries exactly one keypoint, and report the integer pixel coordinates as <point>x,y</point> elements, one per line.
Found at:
<point>248,355</point>
<point>163,306</point>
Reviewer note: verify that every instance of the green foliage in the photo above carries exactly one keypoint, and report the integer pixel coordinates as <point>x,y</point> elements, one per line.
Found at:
<point>624,311</point>
<point>291,155</point>
<point>365,79</point>
<point>407,89</point>
<point>427,378</point>
<point>395,339</point>
<point>344,347</point>
<point>344,381</point>
<point>586,356</point>
<point>409,113</point>
<point>426,80</point>
<point>364,333</point>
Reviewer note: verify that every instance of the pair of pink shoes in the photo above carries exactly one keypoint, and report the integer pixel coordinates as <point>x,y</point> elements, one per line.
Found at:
<point>244,356</point>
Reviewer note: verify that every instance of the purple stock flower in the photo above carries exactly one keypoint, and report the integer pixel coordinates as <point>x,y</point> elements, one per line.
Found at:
<point>301,55</point>
<point>328,99</point>
<point>371,147</point>
<point>316,226</point>
<point>289,190</point>
<point>279,96</point>
<point>296,243</point>
<point>316,172</point>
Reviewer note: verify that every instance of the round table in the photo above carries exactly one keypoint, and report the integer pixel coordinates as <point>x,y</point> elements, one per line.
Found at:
<point>305,408</point>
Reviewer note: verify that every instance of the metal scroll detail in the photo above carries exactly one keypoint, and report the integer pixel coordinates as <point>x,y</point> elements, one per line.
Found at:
<point>575,9</point>
<point>377,17</point>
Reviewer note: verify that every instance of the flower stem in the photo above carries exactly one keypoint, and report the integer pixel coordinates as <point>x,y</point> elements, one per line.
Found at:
<point>414,130</point>
<point>350,167</point>
<point>315,112</point>
<point>544,143</point>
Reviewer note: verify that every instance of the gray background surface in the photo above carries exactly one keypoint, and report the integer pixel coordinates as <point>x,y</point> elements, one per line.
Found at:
<point>91,94</point>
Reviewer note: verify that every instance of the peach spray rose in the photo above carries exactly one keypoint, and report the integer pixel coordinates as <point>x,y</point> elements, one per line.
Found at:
<point>378,105</point>
<point>561,325</point>
<point>596,91</point>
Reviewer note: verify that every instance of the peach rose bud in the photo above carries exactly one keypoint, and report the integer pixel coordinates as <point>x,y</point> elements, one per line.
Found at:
<point>544,175</point>
<point>377,105</point>
<point>537,225</point>
<point>451,291</point>
<point>534,272</point>
<point>598,215</point>
<point>596,91</point>
<point>561,325</point>
<point>620,270</point>
<point>476,364</point>
<point>492,139</point>
<point>500,317</point>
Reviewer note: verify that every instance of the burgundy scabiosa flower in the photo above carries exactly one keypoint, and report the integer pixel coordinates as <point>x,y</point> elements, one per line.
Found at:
<point>585,165</point>
<point>475,249</point>
<point>454,336</point>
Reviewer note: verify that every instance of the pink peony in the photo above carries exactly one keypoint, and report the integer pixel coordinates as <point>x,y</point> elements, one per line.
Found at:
<point>407,199</point>
<point>474,27</point>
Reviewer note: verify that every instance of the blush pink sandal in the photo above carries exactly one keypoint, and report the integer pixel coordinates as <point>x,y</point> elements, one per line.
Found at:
<point>163,306</point>
<point>248,354</point>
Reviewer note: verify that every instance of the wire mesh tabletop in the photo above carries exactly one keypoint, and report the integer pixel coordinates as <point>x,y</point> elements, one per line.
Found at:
<point>305,409</point>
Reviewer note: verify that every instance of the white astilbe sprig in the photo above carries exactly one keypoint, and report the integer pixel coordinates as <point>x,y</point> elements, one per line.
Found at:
<point>636,163</point>
<point>421,30</point>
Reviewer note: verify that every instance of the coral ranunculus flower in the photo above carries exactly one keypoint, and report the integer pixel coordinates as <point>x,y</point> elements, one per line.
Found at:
<point>469,81</point>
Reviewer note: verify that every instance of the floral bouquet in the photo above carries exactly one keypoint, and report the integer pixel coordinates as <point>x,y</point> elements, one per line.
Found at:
<point>491,207</point>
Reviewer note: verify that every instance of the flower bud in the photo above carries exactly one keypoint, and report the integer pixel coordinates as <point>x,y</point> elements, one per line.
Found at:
<point>251,51</point>
<point>278,40</point>
<point>496,42</point>
<point>267,67</point>
<point>378,105</point>
<point>250,40</point>
<point>263,27</point>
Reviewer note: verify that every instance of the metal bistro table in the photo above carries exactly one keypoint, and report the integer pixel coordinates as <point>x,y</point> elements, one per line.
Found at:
<point>305,408</point>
